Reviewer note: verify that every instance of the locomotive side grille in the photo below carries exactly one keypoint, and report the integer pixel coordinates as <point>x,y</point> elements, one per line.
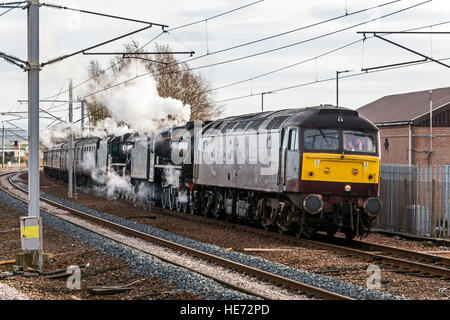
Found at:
<point>255,124</point>
<point>241,125</point>
<point>228,127</point>
<point>214,126</point>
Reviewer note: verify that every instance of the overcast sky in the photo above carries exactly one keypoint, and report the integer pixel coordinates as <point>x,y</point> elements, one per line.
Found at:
<point>63,32</point>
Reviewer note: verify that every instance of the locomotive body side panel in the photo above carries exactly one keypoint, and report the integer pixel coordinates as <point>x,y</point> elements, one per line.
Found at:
<point>244,160</point>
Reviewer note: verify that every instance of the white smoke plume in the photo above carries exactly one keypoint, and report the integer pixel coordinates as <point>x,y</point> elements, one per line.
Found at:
<point>135,103</point>
<point>138,104</point>
<point>105,127</point>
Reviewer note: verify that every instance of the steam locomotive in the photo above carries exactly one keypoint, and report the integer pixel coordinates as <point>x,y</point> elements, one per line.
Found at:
<point>296,170</point>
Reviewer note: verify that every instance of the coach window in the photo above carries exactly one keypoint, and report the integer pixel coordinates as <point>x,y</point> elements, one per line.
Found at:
<point>293,139</point>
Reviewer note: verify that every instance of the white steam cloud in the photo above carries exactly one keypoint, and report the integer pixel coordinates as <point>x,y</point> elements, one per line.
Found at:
<point>137,106</point>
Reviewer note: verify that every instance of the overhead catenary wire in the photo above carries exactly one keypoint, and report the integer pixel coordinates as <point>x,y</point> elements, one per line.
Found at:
<point>104,71</point>
<point>55,6</point>
<point>215,16</point>
<point>14,60</point>
<point>93,47</point>
<point>265,74</point>
<point>293,30</point>
<point>10,7</point>
<point>53,103</point>
<point>303,41</point>
<point>260,53</point>
<point>327,79</point>
<point>289,87</point>
<point>319,56</point>
<point>146,44</point>
<point>302,28</point>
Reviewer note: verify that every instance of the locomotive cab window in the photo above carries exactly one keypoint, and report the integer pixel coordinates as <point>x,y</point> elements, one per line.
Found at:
<point>321,139</point>
<point>358,141</point>
<point>293,139</point>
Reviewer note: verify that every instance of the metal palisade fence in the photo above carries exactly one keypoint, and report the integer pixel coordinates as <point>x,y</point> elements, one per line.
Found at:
<point>416,200</point>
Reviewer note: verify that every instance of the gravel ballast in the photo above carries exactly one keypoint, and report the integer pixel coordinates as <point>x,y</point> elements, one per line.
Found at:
<point>323,282</point>
<point>10,293</point>
<point>142,263</point>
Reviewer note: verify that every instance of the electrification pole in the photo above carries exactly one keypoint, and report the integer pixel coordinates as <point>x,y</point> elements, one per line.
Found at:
<point>70,153</point>
<point>18,154</point>
<point>431,121</point>
<point>337,85</point>
<point>33,107</point>
<point>82,115</point>
<point>262,98</point>
<point>31,225</point>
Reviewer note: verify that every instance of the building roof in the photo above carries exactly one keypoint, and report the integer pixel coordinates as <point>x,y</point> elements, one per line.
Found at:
<point>404,107</point>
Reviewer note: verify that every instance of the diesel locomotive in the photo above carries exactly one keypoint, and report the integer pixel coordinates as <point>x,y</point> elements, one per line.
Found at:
<point>296,170</point>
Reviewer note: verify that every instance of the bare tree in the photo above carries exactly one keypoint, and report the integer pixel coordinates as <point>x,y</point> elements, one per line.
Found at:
<point>174,79</point>
<point>96,111</point>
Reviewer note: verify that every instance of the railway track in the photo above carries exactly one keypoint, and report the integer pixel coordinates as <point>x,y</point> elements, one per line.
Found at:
<point>403,259</point>
<point>426,264</point>
<point>256,274</point>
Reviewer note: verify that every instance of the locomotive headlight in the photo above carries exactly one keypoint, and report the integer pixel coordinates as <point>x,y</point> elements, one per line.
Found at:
<point>372,206</point>
<point>355,171</point>
<point>326,170</point>
<point>348,188</point>
<point>313,203</point>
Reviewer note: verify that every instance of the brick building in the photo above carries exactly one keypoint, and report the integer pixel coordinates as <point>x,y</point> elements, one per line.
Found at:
<point>405,132</point>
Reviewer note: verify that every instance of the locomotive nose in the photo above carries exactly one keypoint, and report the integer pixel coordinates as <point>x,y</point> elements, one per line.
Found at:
<point>372,207</point>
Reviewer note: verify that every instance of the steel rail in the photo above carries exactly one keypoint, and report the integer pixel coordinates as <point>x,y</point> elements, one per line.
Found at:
<point>431,258</point>
<point>267,276</point>
<point>399,262</point>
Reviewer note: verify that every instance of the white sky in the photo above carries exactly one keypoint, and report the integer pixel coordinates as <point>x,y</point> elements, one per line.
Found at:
<point>63,32</point>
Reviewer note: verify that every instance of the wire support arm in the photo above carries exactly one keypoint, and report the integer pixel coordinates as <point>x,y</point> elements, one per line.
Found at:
<point>138,53</point>
<point>55,6</point>
<point>410,50</point>
<point>14,62</point>
<point>92,47</point>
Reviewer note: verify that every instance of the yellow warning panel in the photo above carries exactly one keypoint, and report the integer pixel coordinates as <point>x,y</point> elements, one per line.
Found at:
<point>340,168</point>
<point>29,232</point>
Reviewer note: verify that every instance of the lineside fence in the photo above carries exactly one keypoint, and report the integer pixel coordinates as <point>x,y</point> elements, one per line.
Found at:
<point>416,200</point>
